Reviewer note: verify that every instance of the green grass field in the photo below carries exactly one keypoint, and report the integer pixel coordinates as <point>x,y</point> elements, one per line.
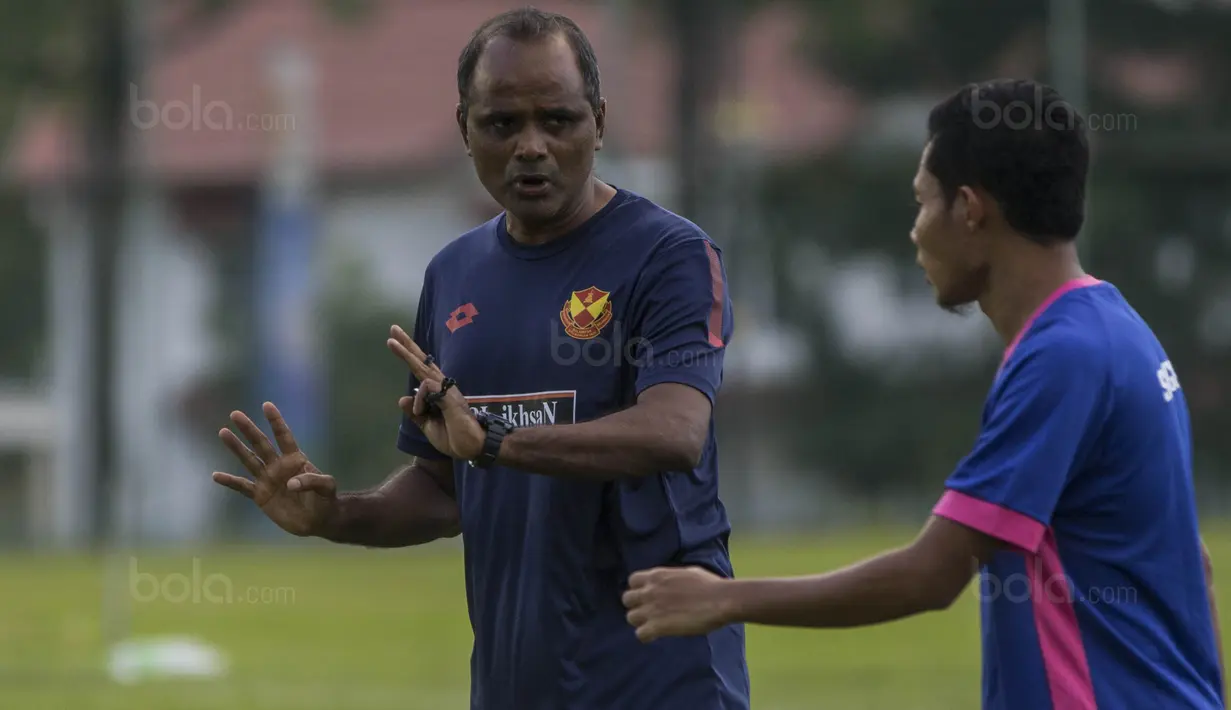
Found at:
<point>332,628</point>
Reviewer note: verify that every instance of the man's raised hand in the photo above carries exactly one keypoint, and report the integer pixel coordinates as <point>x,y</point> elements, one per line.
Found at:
<point>454,431</point>
<point>284,484</point>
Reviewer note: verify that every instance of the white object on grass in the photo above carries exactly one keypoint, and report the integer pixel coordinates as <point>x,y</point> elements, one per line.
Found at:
<point>135,660</point>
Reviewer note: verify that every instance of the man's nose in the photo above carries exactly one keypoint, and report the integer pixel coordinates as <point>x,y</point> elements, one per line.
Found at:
<point>531,146</point>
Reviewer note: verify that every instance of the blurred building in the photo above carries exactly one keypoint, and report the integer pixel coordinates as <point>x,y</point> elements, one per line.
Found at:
<point>391,186</point>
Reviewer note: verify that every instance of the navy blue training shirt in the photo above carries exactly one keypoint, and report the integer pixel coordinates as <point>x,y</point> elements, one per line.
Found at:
<point>568,332</point>
<point>1084,468</point>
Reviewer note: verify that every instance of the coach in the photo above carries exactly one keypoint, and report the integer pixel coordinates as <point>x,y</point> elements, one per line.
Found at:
<point>564,363</point>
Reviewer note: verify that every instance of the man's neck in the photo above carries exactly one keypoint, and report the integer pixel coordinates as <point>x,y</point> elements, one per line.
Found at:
<point>1021,281</point>
<point>596,196</point>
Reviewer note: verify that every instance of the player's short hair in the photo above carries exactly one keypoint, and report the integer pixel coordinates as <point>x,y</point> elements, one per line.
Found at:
<point>529,24</point>
<point>1023,144</point>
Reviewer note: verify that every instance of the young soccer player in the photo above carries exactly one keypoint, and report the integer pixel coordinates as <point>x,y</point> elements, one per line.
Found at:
<point>1076,503</point>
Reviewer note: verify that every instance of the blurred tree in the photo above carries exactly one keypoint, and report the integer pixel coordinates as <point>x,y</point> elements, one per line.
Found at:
<point>1159,226</point>
<point>22,287</point>
<point>83,54</point>
<point>363,416</point>
<point>25,61</point>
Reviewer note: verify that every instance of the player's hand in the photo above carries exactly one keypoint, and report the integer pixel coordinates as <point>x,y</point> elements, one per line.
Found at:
<point>455,432</point>
<point>676,601</point>
<point>286,486</point>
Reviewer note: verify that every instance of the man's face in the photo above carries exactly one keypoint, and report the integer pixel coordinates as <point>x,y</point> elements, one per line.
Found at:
<point>531,130</point>
<point>949,251</point>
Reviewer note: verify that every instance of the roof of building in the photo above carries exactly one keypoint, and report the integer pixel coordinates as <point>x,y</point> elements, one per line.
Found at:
<point>386,90</point>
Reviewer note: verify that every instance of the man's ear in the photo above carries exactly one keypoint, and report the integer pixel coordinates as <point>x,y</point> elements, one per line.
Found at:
<point>600,122</point>
<point>971,207</point>
<point>461,126</point>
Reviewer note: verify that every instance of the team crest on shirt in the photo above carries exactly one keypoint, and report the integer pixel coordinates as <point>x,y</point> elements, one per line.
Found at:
<point>586,313</point>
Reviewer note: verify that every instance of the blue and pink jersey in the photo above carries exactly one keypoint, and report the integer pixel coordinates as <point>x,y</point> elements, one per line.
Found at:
<point>1083,467</point>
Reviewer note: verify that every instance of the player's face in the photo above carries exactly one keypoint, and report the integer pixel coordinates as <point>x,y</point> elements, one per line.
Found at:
<point>531,130</point>
<point>950,254</point>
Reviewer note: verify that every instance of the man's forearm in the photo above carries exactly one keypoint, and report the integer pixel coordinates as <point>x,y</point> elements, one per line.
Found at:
<point>1209,590</point>
<point>884,588</point>
<point>410,508</point>
<point>623,444</point>
<point>1217,628</point>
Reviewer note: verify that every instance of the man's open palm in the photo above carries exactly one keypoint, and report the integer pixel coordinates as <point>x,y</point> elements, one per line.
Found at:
<point>287,487</point>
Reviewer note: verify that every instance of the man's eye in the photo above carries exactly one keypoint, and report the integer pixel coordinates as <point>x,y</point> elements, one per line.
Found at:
<point>499,122</point>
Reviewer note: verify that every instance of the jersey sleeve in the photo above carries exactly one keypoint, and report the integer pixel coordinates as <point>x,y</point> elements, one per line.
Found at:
<point>1039,427</point>
<point>683,317</point>
<point>411,439</point>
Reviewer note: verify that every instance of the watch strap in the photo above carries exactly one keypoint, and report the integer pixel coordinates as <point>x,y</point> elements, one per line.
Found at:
<point>497,428</point>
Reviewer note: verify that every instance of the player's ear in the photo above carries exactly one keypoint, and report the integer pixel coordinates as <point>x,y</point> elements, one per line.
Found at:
<point>461,126</point>
<point>600,123</point>
<point>971,208</point>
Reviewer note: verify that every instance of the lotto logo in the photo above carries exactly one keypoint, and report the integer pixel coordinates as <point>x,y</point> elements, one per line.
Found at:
<point>1169,381</point>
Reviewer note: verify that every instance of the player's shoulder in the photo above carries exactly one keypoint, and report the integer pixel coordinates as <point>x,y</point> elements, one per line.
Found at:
<point>657,228</point>
<point>466,248</point>
<point>1065,337</point>
<point>1073,333</point>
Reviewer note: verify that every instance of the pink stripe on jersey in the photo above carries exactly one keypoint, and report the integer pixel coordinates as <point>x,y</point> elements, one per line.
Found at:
<point>717,288</point>
<point>1081,282</point>
<point>991,519</point>
<point>1055,620</point>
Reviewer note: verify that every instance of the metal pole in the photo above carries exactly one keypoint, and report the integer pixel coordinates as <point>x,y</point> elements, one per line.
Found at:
<point>616,89</point>
<point>290,370</point>
<point>124,493</point>
<point>1066,46</point>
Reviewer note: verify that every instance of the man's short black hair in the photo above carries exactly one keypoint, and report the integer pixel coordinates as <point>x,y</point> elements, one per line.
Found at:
<point>528,24</point>
<point>1023,144</point>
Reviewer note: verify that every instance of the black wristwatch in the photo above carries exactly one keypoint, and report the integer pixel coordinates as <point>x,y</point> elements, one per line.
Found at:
<point>497,427</point>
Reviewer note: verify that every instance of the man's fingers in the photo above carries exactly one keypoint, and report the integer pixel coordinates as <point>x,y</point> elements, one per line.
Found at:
<point>640,579</point>
<point>254,435</point>
<point>403,338</point>
<point>421,370</point>
<point>250,460</point>
<point>402,353</point>
<point>240,485</point>
<point>407,405</point>
<point>647,633</point>
<point>637,617</point>
<point>405,348</point>
<point>316,482</point>
<point>426,387</point>
<point>282,431</point>
<point>632,598</point>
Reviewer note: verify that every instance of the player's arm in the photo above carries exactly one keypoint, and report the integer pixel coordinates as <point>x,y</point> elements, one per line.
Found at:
<point>1001,496</point>
<point>665,430</point>
<point>927,575</point>
<point>415,505</point>
<point>682,321</point>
